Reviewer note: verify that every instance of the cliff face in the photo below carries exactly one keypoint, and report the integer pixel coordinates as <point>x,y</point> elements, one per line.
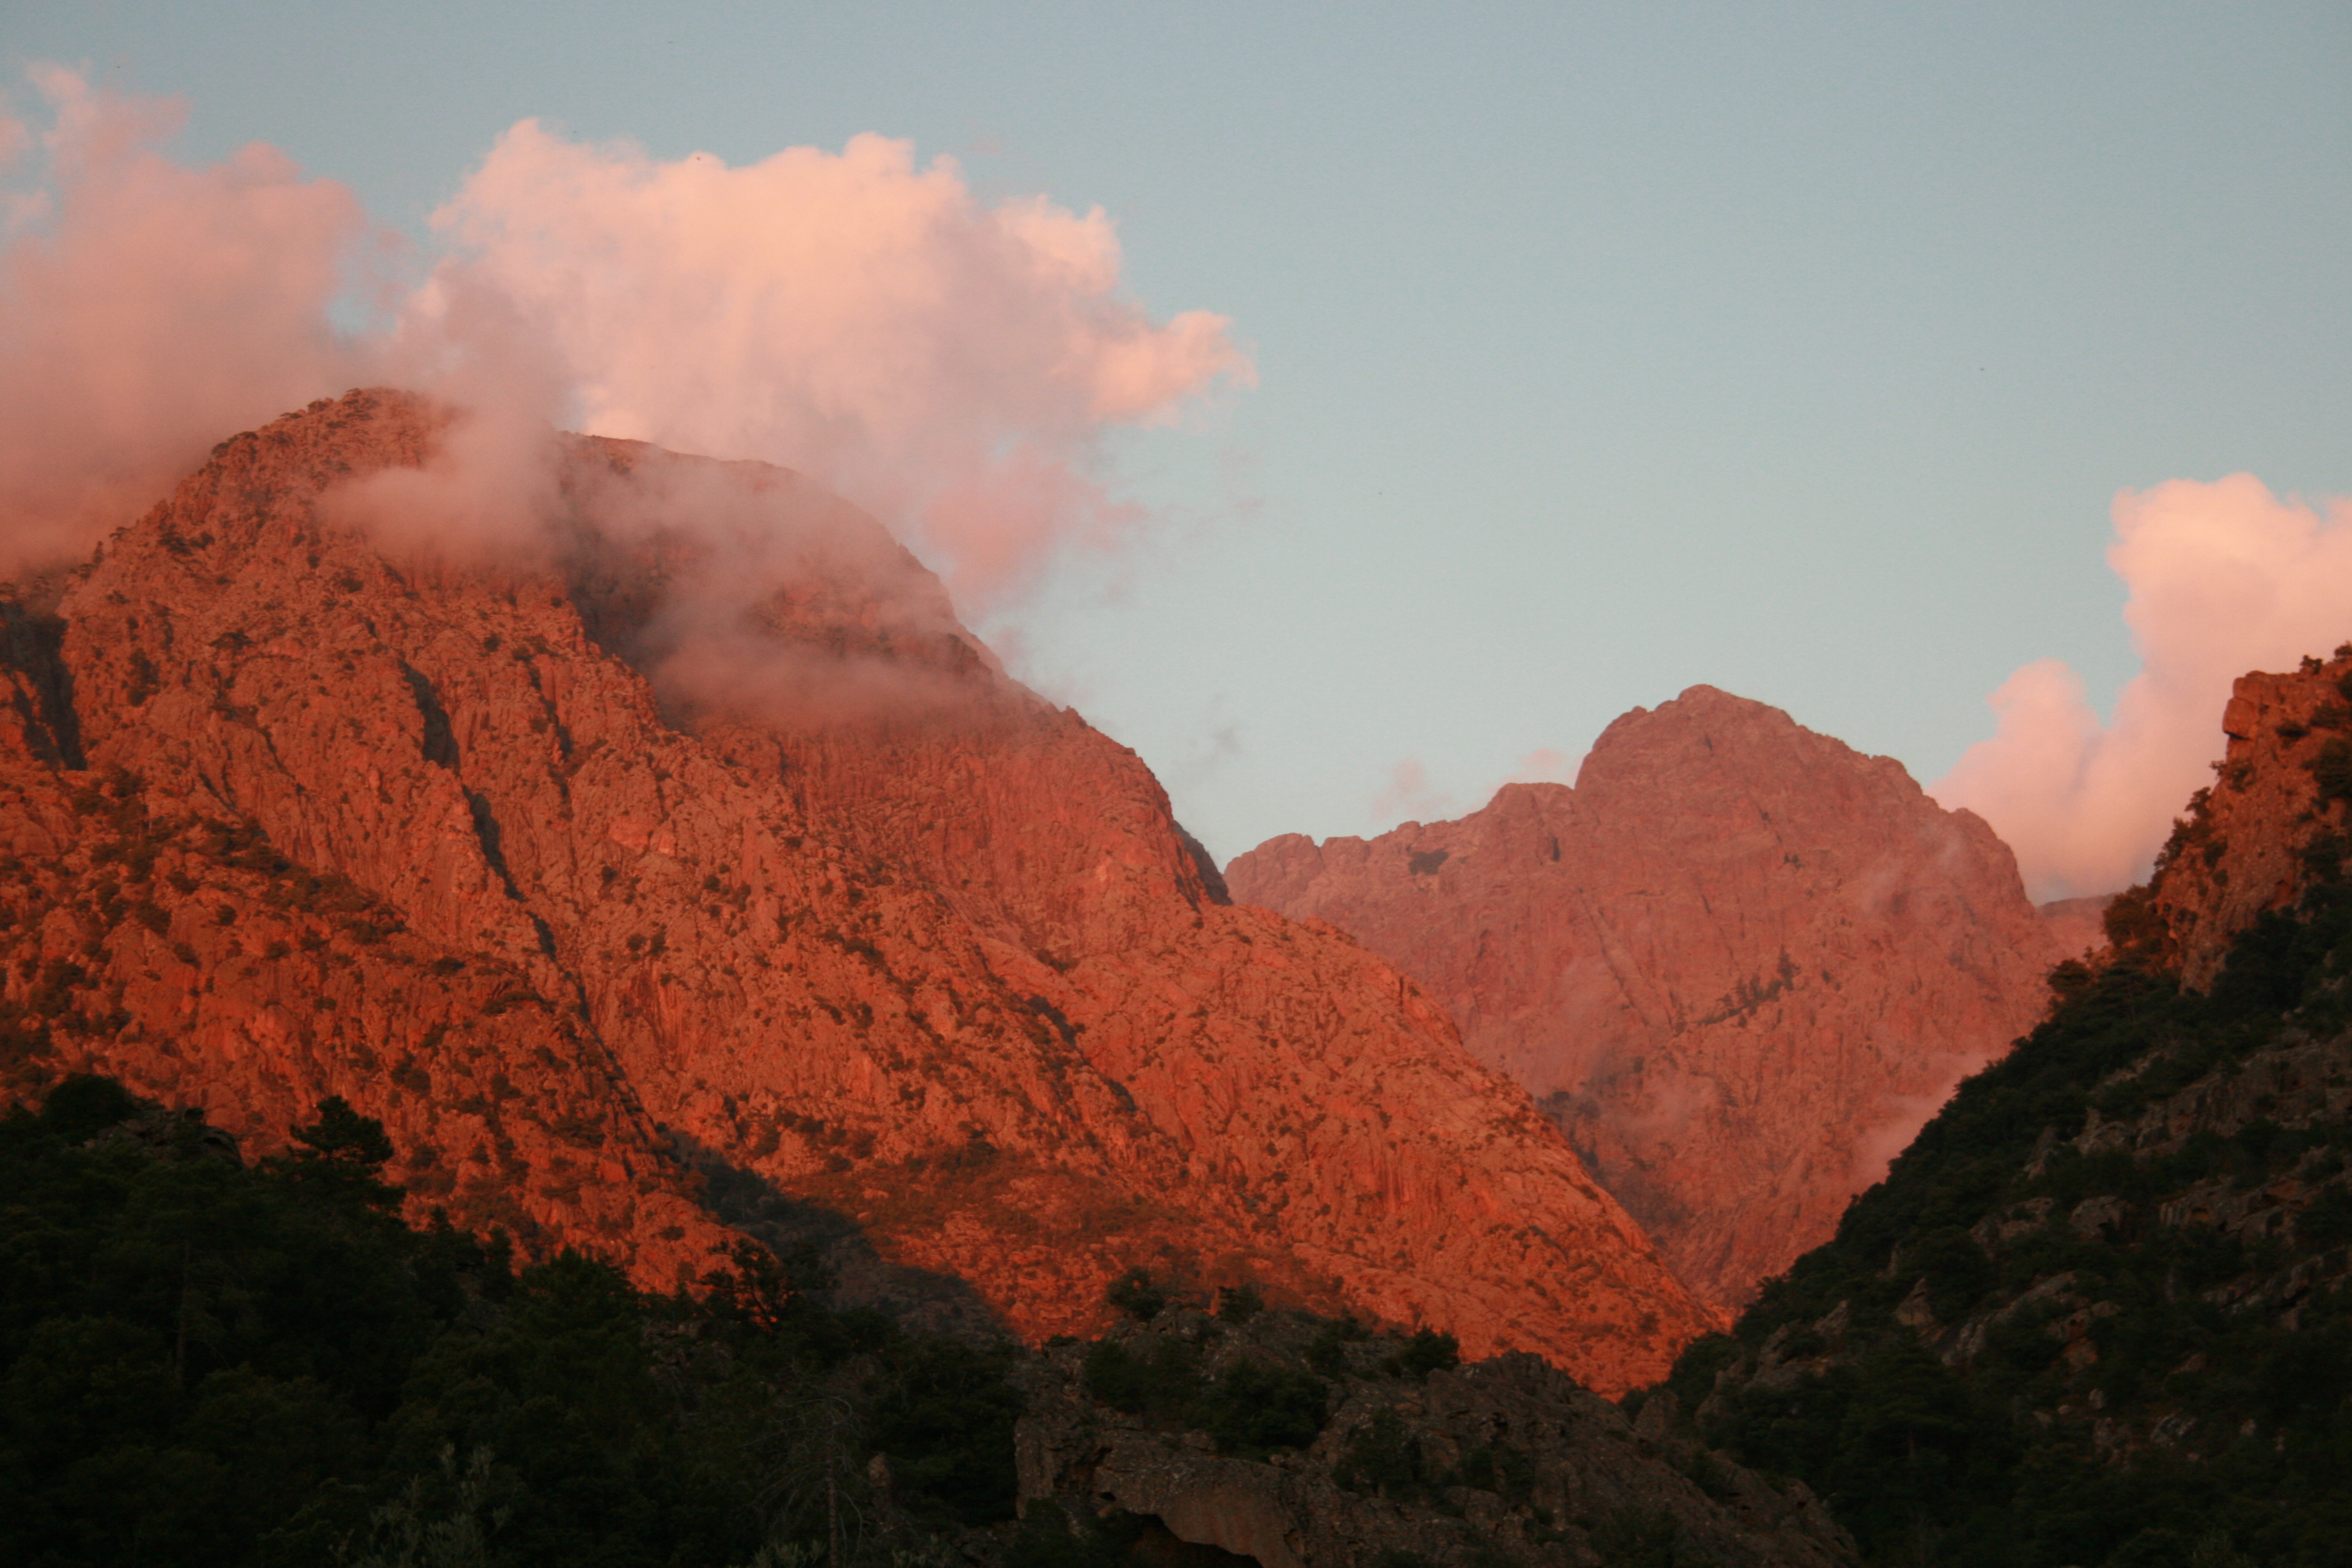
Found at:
<point>1740,962</point>
<point>692,819</point>
<point>2271,826</point>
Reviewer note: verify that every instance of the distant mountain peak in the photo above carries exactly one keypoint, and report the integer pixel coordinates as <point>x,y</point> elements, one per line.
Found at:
<point>1738,961</point>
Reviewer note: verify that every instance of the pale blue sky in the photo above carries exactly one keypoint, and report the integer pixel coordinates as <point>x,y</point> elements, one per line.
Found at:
<point>1602,350</point>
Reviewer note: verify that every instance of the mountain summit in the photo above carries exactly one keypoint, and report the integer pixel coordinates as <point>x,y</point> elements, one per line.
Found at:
<point>641,835</point>
<point>1739,961</point>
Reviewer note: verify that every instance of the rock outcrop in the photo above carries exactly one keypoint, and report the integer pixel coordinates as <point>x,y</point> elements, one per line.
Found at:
<point>1738,962</point>
<point>2271,824</point>
<point>687,820</point>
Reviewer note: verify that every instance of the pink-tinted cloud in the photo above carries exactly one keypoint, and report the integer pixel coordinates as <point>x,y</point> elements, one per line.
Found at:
<point>2224,578</point>
<point>1545,764</point>
<point>1410,795</point>
<point>948,364</point>
<point>147,310</point>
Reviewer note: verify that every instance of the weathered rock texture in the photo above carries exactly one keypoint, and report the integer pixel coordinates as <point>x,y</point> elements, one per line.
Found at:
<point>1738,962</point>
<point>2271,822</point>
<point>692,819</point>
<point>1504,1461</point>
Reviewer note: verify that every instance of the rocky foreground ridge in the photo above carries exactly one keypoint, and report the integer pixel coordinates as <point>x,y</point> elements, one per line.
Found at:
<point>685,841</point>
<point>1300,1442</point>
<point>1740,962</point>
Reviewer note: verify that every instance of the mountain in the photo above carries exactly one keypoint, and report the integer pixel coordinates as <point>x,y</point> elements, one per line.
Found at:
<point>2100,1311</point>
<point>1739,963</point>
<point>644,842</point>
<point>2078,926</point>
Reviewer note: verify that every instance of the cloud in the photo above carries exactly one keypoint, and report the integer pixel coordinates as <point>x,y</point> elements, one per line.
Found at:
<point>1409,795</point>
<point>778,602</point>
<point>2224,578</point>
<point>147,310</point>
<point>1545,764</point>
<point>950,365</point>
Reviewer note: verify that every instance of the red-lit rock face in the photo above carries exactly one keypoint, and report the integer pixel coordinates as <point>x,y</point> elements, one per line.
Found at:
<point>2252,841</point>
<point>828,896</point>
<point>1739,961</point>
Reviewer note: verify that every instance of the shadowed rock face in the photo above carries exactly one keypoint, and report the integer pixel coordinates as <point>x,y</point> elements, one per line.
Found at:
<point>1740,962</point>
<point>694,821</point>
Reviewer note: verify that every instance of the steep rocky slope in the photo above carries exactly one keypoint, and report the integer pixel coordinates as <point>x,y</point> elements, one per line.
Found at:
<point>1738,962</point>
<point>678,813</point>
<point>2101,1310</point>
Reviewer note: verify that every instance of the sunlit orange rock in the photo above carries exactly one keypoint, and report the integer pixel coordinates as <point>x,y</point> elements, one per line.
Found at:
<point>525,847</point>
<point>2272,822</point>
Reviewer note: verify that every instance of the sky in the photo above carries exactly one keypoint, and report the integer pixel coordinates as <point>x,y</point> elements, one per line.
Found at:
<point>1838,356</point>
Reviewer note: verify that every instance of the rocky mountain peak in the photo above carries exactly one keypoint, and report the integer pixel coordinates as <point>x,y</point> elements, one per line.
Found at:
<point>650,849</point>
<point>1738,962</point>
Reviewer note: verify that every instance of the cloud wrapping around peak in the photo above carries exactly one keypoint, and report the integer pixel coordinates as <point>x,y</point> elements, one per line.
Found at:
<point>950,365</point>
<point>2224,577</point>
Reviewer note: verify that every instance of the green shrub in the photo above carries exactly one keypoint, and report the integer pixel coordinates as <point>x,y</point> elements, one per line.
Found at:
<point>1429,1351</point>
<point>1239,1303</point>
<point>1255,1408</point>
<point>2327,1220</point>
<point>260,1365</point>
<point>1382,1458</point>
<point>1327,1352</point>
<point>1135,1294</point>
